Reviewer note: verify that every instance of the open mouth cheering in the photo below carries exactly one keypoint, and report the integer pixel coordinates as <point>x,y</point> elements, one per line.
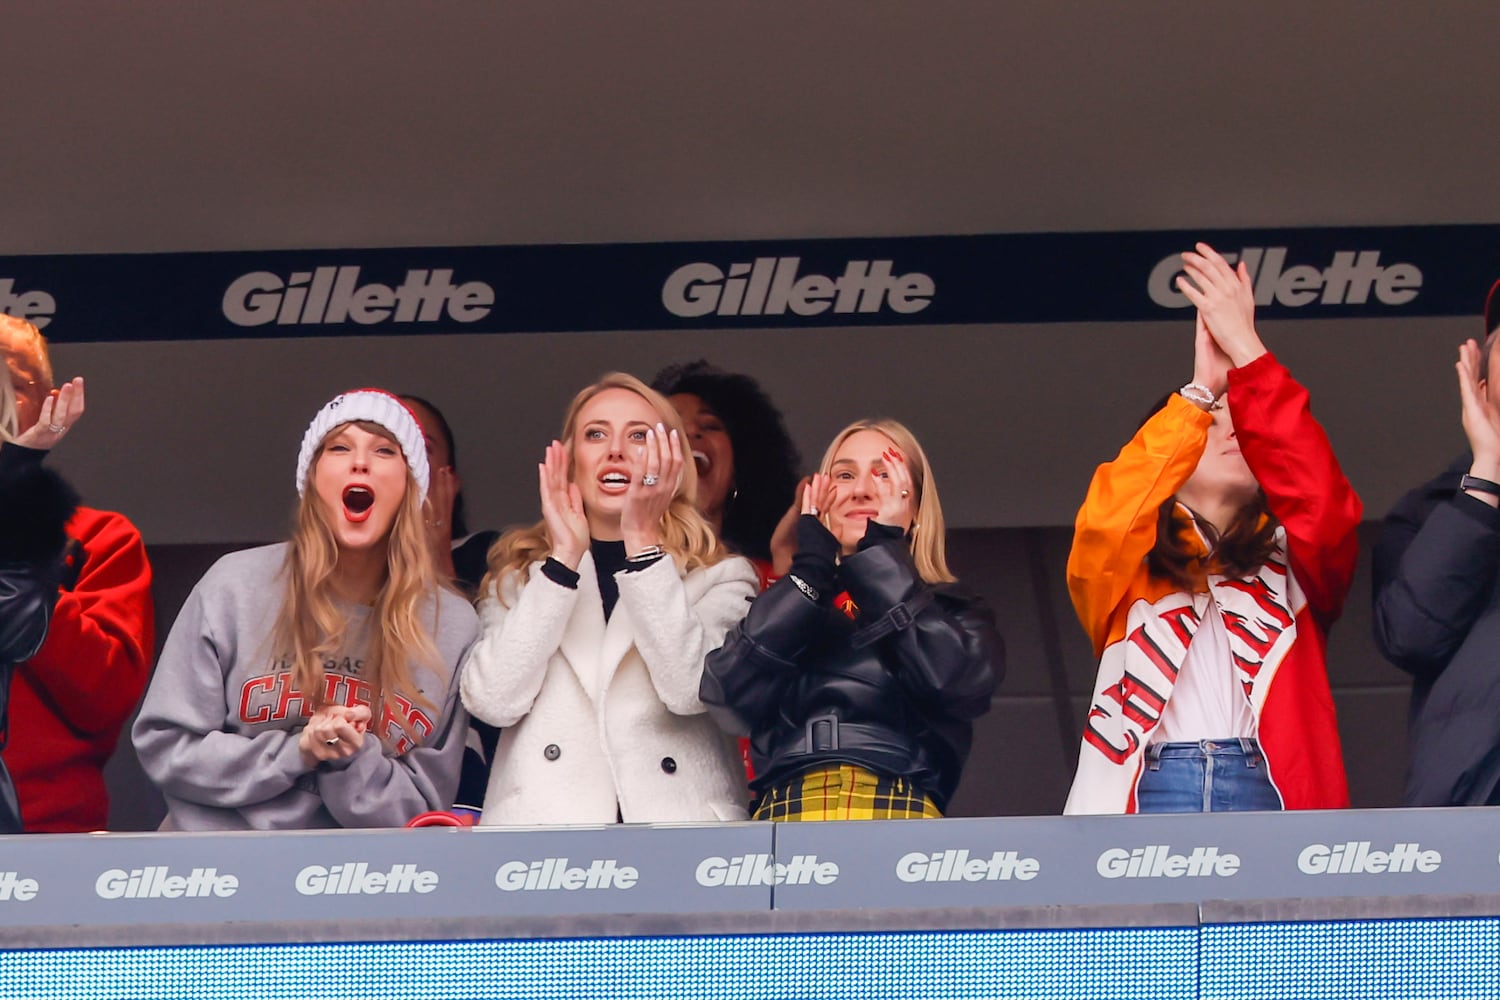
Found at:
<point>358,500</point>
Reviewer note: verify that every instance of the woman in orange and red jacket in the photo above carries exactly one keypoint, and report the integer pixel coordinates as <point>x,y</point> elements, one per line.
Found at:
<point>1208,561</point>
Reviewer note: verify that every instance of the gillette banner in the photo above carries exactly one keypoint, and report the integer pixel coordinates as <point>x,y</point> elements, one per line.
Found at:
<point>925,280</point>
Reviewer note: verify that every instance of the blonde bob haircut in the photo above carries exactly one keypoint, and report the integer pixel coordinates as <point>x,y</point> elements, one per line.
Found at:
<point>312,627</point>
<point>928,534</point>
<point>686,536</point>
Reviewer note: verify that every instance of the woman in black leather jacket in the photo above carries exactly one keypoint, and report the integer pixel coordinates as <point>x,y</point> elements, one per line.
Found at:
<point>35,504</point>
<point>858,674</point>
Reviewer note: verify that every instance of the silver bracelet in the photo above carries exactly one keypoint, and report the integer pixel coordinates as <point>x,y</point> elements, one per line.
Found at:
<point>648,553</point>
<point>1195,392</point>
<point>802,585</point>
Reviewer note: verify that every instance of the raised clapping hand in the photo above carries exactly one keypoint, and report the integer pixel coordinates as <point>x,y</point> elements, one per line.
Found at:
<point>1210,364</point>
<point>333,733</point>
<point>894,492</point>
<point>816,548</point>
<point>817,496</point>
<point>562,508</point>
<point>1481,418</point>
<point>60,411</point>
<point>654,474</point>
<point>1225,299</point>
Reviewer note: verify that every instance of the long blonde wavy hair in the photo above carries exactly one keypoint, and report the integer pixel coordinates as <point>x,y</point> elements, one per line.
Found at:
<point>928,537</point>
<point>311,625</point>
<point>686,536</point>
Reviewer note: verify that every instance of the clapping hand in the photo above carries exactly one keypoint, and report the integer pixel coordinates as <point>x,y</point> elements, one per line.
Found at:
<point>1481,418</point>
<point>562,508</point>
<point>334,732</point>
<point>654,475</point>
<point>1225,299</point>
<point>1210,364</point>
<point>818,496</point>
<point>817,547</point>
<point>893,492</point>
<point>60,411</point>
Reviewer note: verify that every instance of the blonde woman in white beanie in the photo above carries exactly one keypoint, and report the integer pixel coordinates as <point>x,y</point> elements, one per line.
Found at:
<point>313,683</point>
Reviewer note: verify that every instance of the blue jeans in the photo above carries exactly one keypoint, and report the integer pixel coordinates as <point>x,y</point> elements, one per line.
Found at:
<point>1205,776</point>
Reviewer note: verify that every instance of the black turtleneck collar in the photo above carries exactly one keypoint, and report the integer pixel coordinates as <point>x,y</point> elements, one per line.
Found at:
<point>609,559</point>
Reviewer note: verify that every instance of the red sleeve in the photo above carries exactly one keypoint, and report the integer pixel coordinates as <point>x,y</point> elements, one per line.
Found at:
<point>765,573</point>
<point>94,664</point>
<point>1306,490</point>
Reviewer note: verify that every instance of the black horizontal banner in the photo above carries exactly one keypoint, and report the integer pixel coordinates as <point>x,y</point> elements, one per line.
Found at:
<point>931,280</point>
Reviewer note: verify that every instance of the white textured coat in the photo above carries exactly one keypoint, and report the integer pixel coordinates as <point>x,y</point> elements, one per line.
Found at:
<point>598,717</point>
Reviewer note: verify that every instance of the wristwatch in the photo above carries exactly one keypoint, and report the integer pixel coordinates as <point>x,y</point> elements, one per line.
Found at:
<point>1478,485</point>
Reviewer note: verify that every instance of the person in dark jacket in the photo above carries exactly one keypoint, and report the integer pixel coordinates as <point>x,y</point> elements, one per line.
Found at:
<point>36,504</point>
<point>1437,599</point>
<point>859,673</point>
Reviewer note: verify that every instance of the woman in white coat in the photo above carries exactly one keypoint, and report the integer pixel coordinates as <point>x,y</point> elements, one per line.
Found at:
<point>596,622</point>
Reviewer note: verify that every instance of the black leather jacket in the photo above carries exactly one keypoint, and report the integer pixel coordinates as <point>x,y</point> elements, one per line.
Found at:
<point>35,504</point>
<point>895,691</point>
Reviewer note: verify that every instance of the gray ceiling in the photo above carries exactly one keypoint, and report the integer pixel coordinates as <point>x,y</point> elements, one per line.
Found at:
<point>177,126</point>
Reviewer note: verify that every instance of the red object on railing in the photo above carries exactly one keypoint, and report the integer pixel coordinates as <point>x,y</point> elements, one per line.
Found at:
<point>440,817</point>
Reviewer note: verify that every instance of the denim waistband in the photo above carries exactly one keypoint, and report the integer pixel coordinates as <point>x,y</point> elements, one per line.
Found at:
<point>1241,746</point>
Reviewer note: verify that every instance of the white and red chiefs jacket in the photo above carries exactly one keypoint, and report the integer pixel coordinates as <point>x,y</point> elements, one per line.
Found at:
<point>1277,620</point>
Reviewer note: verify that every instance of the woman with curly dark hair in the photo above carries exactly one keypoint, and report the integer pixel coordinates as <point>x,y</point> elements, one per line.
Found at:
<point>746,461</point>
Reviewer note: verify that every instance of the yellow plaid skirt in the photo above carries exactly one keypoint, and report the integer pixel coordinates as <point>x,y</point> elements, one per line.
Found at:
<point>845,792</point>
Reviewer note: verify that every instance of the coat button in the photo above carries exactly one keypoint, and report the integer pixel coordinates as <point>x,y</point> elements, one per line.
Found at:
<point>552,752</point>
<point>669,765</point>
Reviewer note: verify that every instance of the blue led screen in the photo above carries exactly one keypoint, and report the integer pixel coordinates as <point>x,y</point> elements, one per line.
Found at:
<point>1430,958</point>
<point>1397,959</point>
<point>875,966</point>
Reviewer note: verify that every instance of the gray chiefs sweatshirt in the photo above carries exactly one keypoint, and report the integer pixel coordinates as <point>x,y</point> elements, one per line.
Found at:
<point>219,726</point>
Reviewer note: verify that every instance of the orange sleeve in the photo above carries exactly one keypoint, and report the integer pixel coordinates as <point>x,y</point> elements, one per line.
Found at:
<point>1116,526</point>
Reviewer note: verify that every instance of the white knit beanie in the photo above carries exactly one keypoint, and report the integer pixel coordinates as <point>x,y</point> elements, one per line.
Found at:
<point>378,407</point>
